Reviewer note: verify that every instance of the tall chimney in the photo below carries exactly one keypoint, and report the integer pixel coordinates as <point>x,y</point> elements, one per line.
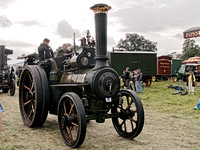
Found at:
<point>100,11</point>
<point>2,56</point>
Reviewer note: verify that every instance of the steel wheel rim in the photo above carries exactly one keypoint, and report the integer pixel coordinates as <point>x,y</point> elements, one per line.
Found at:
<point>127,115</point>
<point>69,121</point>
<point>28,99</point>
<point>130,119</point>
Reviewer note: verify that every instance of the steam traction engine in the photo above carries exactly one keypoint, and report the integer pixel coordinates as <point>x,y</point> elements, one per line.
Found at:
<point>83,88</point>
<point>7,76</point>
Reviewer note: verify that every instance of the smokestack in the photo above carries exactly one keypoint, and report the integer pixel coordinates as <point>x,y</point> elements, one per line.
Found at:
<point>100,11</point>
<point>2,56</point>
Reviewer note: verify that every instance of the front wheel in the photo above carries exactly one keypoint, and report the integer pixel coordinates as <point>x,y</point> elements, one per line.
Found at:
<point>130,120</point>
<point>72,119</point>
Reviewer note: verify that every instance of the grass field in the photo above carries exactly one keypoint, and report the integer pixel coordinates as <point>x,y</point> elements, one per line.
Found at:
<point>170,123</point>
<point>160,98</point>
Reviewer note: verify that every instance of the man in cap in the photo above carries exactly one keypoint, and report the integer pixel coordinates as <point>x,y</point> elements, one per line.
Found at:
<point>45,51</point>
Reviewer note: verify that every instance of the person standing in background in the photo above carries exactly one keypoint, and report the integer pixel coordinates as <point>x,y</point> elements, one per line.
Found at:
<point>190,82</point>
<point>138,83</point>
<point>123,78</point>
<point>127,78</point>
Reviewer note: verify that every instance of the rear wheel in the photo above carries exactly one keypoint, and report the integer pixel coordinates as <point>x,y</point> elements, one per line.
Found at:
<point>72,119</point>
<point>130,121</point>
<point>33,96</point>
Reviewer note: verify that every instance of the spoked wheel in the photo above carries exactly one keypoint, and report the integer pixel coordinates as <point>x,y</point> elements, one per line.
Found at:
<point>72,119</point>
<point>33,96</point>
<point>130,121</point>
<point>12,88</point>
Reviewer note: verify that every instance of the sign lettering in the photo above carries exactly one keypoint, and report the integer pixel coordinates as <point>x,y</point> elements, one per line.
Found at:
<point>192,34</point>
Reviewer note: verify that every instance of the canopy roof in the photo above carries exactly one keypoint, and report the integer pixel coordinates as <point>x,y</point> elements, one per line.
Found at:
<point>194,60</point>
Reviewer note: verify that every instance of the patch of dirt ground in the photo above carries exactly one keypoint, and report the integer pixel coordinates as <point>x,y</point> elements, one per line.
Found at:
<point>161,131</point>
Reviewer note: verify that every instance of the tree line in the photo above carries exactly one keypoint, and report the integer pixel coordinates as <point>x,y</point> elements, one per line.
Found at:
<point>135,42</point>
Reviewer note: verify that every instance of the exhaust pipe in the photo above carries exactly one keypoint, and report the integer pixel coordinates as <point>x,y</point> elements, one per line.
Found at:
<point>2,56</point>
<point>100,11</point>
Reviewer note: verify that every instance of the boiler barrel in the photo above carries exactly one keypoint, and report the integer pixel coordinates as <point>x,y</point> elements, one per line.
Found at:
<point>101,35</point>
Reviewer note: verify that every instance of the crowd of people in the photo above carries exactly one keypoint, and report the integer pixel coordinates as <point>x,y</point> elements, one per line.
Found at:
<point>132,79</point>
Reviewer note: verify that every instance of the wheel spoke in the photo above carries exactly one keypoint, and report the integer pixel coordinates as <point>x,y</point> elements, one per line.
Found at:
<point>122,123</point>
<point>70,133</point>
<point>132,125</point>
<point>131,119</point>
<point>71,109</point>
<point>27,88</point>
<point>125,125</point>
<point>65,112</point>
<point>32,86</point>
<point>129,105</point>
<point>30,114</point>
<point>27,102</point>
<point>127,98</point>
<point>74,124</point>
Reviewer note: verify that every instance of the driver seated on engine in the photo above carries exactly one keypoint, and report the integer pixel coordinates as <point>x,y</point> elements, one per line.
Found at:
<point>64,52</point>
<point>63,56</point>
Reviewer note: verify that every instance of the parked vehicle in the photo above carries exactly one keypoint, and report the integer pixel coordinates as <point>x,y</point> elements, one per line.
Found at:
<point>146,61</point>
<point>153,67</point>
<point>192,64</point>
<point>7,76</point>
<point>80,89</point>
<point>167,68</point>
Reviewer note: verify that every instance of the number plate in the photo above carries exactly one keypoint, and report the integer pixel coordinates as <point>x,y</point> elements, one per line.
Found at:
<point>109,99</point>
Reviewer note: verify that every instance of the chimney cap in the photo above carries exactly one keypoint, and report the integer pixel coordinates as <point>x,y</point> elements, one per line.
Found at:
<point>100,8</point>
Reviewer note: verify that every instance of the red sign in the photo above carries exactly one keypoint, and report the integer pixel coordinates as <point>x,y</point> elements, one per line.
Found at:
<point>191,34</point>
<point>164,65</point>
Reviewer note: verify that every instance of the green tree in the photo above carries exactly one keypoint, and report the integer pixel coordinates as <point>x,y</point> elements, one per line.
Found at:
<point>175,55</point>
<point>135,42</point>
<point>190,49</point>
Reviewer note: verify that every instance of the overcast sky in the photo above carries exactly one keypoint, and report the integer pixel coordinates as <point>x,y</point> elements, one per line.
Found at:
<point>25,23</point>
